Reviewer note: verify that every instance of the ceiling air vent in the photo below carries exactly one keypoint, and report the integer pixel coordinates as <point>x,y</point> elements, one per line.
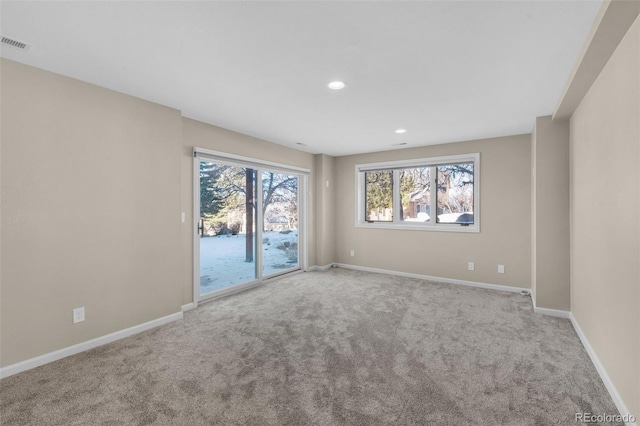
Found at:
<point>15,43</point>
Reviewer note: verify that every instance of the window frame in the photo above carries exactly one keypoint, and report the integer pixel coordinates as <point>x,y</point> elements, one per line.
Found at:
<point>432,163</point>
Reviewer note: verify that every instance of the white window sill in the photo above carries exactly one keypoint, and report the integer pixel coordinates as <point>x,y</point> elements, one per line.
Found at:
<point>414,227</point>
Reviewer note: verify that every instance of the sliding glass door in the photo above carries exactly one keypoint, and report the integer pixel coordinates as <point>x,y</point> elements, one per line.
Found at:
<point>227,226</point>
<point>280,248</point>
<point>248,225</point>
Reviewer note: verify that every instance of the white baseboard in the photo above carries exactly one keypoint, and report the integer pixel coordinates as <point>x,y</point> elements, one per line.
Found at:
<point>437,279</point>
<point>320,268</point>
<point>617,399</point>
<point>28,364</point>
<point>550,312</point>
<point>188,307</point>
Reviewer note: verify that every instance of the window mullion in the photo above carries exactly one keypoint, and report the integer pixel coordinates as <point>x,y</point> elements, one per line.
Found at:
<point>259,223</point>
<point>433,199</point>
<point>397,203</point>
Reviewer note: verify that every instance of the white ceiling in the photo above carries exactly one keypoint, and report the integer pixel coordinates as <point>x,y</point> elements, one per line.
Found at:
<point>444,70</point>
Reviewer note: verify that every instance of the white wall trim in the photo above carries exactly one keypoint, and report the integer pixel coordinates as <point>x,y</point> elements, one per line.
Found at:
<point>617,399</point>
<point>320,268</point>
<point>256,162</point>
<point>550,312</point>
<point>187,307</point>
<point>28,364</point>
<point>437,279</point>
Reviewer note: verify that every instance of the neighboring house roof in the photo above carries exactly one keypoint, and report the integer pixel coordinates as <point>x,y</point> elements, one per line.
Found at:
<point>278,219</point>
<point>418,194</point>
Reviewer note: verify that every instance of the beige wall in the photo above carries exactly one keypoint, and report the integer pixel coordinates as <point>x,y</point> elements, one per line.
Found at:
<point>90,211</point>
<point>533,217</point>
<point>505,206</point>
<point>198,134</point>
<point>93,186</point>
<point>325,209</point>
<point>605,239</point>
<point>550,214</point>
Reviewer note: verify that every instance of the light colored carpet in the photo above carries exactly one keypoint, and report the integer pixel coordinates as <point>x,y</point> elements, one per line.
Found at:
<point>327,348</point>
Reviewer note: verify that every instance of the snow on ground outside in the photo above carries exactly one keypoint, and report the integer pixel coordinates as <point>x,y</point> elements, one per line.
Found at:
<point>222,259</point>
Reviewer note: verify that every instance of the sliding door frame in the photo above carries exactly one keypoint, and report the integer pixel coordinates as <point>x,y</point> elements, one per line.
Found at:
<point>260,166</point>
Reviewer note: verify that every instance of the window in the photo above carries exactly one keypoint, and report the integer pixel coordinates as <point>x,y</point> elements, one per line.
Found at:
<point>439,193</point>
<point>250,222</point>
<point>378,196</point>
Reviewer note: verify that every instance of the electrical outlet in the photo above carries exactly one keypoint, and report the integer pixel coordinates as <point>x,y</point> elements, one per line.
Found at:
<point>78,315</point>
<point>501,269</point>
<point>353,252</point>
<point>471,266</point>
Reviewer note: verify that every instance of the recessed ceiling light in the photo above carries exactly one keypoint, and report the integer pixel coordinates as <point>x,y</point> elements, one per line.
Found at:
<point>336,85</point>
<point>401,131</point>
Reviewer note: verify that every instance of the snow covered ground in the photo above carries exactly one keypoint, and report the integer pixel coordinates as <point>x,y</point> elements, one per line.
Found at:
<point>222,259</point>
